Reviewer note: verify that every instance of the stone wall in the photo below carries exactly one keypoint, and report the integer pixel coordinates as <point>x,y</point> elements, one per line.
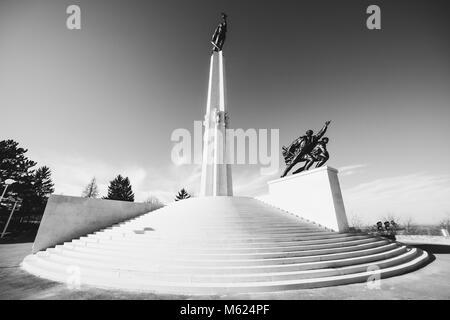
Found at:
<point>66,218</point>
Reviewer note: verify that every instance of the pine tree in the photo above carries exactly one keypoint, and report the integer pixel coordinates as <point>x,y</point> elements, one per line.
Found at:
<point>32,187</point>
<point>35,201</point>
<point>16,166</point>
<point>154,202</point>
<point>120,189</point>
<point>43,184</point>
<point>182,194</point>
<point>91,190</point>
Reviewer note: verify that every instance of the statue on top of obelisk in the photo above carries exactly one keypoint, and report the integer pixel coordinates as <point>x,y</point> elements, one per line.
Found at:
<point>218,38</point>
<point>216,179</point>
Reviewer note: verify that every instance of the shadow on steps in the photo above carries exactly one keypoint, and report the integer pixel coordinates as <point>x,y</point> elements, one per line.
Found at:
<point>434,248</point>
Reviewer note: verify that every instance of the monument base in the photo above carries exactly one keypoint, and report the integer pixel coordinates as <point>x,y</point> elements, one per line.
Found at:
<point>220,246</point>
<point>314,195</point>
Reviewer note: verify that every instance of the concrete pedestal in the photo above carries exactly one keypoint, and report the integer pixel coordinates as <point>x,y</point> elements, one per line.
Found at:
<point>314,195</point>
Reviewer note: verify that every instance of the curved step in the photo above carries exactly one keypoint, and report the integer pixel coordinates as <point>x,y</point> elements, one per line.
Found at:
<point>136,239</point>
<point>114,279</point>
<point>169,243</point>
<point>226,250</point>
<point>224,245</point>
<point>194,252</point>
<point>210,232</point>
<point>57,262</point>
<point>214,268</point>
<point>224,260</point>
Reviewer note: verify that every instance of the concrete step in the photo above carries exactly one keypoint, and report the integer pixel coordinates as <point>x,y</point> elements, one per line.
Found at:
<point>193,252</point>
<point>97,268</point>
<point>266,276</point>
<point>139,234</point>
<point>128,280</point>
<point>222,230</point>
<point>149,263</point>
<point>134,238</point>
<point>223,249</point>
<point>209,260</point>
<point>220,245</point>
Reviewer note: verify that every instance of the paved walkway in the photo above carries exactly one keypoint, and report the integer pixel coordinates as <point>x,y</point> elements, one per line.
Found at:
<point>430,282</point>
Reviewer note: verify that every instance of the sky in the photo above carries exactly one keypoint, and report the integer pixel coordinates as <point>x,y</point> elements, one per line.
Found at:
<point>104,100</point>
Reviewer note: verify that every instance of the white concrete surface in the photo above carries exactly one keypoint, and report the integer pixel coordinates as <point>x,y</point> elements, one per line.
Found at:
<point>219,245</point>
<point>216,169</point>
<point>314,195</point>
<point>66,218</point>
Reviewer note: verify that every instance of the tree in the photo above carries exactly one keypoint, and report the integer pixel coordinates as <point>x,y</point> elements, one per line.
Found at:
<point>13,162</point>
<point>35,198</point>
<point>15,165</point>
<point>390,216</point>
<point>182,194</point>
<point>43,184</point>
<point>91,190</point>
<point>356,223</point>
<point>409,226</point>
<point>32,187</point>
<point>120,189</point>
<point>154,202</point>
<point>445,223</point>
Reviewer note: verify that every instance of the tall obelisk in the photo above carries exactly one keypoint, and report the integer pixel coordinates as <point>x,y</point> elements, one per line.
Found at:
<point>216,168</point>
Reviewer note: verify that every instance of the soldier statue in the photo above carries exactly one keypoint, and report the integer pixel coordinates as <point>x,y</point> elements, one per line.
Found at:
<point>308,148</point>
<point>218,38</point>
<point>318,154</point>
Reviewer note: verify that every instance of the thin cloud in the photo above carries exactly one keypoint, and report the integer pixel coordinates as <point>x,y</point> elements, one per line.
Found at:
<point>349,170</point>
<point>72,173</point>
<point>423,197</point>
<point>251,182</point>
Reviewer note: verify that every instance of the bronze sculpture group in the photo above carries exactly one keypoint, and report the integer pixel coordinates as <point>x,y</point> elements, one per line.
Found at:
<point>310,148</point>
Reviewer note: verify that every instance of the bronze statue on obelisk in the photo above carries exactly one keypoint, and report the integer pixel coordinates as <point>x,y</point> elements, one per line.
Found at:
<point>218,38</point>
<point>216,179</point>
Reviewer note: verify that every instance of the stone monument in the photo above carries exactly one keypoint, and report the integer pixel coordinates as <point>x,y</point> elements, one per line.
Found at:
<point>216,169</point>
<point>246,245</point>
<point>312,194</point>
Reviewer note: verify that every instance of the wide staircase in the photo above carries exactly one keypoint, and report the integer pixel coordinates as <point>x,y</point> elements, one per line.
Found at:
<point>222,245</point>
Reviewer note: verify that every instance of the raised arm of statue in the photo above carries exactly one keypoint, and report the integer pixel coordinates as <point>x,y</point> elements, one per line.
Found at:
<point>224,18</point>
<point>322,131</point>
